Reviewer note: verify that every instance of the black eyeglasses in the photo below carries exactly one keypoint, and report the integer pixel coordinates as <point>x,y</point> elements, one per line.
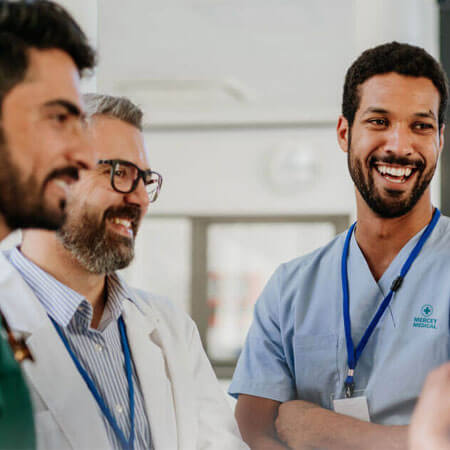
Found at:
<point>125,177</point>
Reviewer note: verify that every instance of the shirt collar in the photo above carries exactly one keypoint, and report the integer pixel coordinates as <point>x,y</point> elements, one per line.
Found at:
<point>63,303</point>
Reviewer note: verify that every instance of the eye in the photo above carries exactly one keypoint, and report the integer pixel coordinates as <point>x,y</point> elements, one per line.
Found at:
<point>119,172</point>
<point>378,122</point>
<point>422,126</point>
<point>60,118</point>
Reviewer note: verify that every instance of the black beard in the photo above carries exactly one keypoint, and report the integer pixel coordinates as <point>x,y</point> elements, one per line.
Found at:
<point>394,206</point>
<point>22,202</point>
<point>97,249</point>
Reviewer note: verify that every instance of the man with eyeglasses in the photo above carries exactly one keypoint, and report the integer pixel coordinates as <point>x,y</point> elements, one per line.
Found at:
<point>43,144</point>
<point>115,367</point>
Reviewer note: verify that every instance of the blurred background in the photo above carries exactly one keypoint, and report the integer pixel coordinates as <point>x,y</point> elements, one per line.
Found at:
<point>241,100</point>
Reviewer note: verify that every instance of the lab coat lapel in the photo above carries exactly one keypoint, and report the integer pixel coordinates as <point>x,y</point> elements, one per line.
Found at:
<point>52,374</point>
<point>150,364</point>
<point>56,379</point>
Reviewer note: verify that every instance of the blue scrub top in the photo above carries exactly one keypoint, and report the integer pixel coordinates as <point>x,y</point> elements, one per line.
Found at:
<point>295,348</point>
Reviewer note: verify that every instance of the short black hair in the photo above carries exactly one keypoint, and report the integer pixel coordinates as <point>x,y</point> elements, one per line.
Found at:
<point>40,24</point>
<point>400,58</point>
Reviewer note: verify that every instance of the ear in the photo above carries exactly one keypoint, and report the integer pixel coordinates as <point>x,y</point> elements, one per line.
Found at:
<point>441,138</point>
<point>343,131</point>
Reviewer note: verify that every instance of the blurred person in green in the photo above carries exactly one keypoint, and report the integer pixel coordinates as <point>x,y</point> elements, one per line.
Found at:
<point>43,145</point>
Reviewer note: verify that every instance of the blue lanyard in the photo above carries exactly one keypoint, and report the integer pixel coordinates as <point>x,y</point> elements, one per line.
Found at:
<point>352,354</point>
<point>127,444</point>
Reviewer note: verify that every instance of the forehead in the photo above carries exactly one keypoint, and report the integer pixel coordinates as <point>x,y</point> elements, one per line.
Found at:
<point>115,139</point>
<point>399,93</point>
<point>51,75</point>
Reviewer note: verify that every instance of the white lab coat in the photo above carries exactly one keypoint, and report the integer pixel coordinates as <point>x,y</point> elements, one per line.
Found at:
<point>185,405</point>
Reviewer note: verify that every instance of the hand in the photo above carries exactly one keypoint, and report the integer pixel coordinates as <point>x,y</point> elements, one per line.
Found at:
<point>298,424</point>
<point>430,424</point>
<point>306,426</point>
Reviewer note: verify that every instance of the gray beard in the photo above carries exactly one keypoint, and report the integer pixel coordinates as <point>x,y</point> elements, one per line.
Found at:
<point>96,249</point>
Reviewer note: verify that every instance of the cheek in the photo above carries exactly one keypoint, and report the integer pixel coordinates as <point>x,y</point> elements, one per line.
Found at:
<point>363,144</point>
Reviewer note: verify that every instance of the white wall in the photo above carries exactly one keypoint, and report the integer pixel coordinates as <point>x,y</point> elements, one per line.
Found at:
<point>209,173</point>
<point>257,75</point>
<point>85,12</point>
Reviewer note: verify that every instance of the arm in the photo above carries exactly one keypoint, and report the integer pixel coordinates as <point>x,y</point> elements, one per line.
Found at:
<point>430,424</point>
<point>304,425</point>
<point>256,417</point>
<point>263,378</point>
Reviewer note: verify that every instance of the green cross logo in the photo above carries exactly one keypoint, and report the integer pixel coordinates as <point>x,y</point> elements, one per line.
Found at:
<point>427,310</point>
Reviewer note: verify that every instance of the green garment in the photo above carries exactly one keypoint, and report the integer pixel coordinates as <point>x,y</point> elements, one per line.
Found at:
<point>16,416</point>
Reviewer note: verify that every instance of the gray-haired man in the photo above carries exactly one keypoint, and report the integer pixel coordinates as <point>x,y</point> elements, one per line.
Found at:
<point>127,369</point>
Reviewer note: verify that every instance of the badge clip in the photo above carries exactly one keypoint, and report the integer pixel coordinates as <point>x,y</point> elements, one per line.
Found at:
<point>349,385</point>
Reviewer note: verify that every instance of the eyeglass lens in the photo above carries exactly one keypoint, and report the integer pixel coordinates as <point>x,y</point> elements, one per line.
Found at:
<point>125,177</point>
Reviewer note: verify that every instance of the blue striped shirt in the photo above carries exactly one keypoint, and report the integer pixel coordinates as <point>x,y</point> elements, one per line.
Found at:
<point>98,350</point>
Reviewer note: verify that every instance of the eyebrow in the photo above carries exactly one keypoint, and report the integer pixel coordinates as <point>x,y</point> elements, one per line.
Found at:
<point>71,108</point>
<point>429,114</point>
<point>373,109</point>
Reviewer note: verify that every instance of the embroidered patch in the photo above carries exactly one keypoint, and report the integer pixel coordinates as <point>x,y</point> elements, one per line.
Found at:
<point>425,319</point>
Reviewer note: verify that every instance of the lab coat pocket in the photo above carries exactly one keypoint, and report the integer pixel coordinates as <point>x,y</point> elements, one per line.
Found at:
<point>48,434</point>
<point>316,367</point>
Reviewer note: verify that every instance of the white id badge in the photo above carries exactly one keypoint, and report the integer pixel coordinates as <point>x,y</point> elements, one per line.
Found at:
<point>356,407</point>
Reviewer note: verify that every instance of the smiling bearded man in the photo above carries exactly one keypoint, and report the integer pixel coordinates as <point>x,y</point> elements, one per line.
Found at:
<point>343,338</point>
<point>127,368</point>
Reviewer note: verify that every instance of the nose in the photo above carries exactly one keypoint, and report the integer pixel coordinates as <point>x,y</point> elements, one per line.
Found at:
<point>399,141</point>
<point>139,196</point>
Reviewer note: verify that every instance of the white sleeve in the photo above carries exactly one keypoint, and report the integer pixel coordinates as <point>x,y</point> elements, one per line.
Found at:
<point>217,427</point>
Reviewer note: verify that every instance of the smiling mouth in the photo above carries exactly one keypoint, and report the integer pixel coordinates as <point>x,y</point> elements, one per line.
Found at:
<point>395,173</point>
<point>125,225</point>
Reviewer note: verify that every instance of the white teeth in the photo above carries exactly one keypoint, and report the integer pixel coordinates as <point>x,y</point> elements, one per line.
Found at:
<point>395,171</point>
<point>126,223</point>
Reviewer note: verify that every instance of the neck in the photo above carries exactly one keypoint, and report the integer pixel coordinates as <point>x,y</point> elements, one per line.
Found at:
<point>46,251</point>
<point>4,229</point>
<point>381,239</point>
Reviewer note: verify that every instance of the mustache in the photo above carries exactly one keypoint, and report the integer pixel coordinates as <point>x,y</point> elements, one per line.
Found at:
<point>398,160</point>
<point>69,171</point>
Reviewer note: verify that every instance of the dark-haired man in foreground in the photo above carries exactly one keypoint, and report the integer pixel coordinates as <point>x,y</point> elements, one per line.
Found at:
<point>43,144</point>
<point>115,367</point>
<point>344,337</point>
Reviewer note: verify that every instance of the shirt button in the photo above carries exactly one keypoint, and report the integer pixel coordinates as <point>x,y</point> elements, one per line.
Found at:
<point>98,347</point>
<point>119,409</point>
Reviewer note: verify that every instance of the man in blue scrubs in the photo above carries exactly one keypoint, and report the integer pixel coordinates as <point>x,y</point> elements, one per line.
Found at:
<point>343,338</point>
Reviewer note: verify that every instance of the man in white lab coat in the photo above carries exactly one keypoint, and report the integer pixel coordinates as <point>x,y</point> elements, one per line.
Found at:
<point>114,367</point>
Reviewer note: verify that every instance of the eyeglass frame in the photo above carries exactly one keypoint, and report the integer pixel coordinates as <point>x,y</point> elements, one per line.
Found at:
<point>141,174</point>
